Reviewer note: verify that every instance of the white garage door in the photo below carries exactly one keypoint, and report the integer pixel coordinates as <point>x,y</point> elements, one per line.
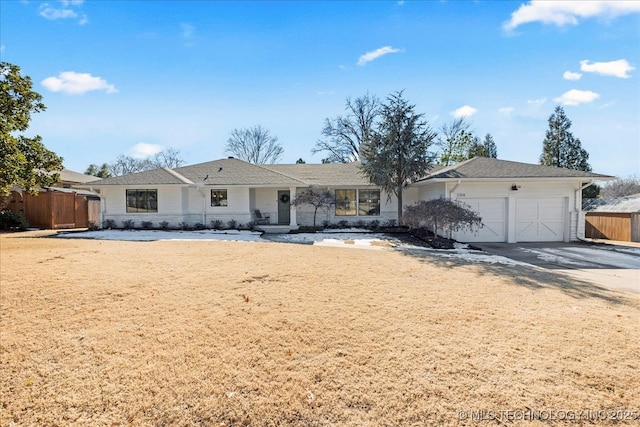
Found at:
<point>494,219</point>
<point>540,220</point>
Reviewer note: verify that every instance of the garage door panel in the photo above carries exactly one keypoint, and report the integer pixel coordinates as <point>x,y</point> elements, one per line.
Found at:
<point>540,220</point>
<point>493,213</point>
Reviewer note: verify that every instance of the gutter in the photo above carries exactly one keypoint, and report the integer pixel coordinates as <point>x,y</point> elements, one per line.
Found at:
<point>199,187</point>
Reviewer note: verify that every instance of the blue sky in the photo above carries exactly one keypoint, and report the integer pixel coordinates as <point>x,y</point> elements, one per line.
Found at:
<point>133,77</point>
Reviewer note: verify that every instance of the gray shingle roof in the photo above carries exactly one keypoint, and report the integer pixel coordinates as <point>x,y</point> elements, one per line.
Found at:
<point>236,172</point>
<point>483,167</point>
<point>328,174</point>
<point>151,177</point>
<point>67,175</point>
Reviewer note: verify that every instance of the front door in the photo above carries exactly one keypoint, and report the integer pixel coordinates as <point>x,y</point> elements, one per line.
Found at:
<point>284,209</point>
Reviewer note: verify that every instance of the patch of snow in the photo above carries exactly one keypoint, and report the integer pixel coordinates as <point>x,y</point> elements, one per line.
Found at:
<point>157,235</point>
<point>587,257</point>
<point>462,252</point>
<point>342,238</point>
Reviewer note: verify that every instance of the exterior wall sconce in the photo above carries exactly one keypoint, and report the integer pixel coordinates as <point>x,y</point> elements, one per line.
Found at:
<point>515,187</point>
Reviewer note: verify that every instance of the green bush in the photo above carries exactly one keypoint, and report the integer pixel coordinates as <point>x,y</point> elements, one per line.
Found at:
<point>12,221</point>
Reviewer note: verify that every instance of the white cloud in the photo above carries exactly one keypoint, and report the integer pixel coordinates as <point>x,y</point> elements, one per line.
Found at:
<point>568,12</point>
<point>375,54</point>
<point>570,75</point>
<point>507,111</point>
<point>73,83</point>
<point>188,30</point>
<point>576,97</point>
<point>619,68</point>
<point>464,111</point>
<point>65,12</point>
<point>537,102</point>
<point>142,150</point>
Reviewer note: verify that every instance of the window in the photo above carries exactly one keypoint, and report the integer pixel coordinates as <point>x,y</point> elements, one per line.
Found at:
<point>142,200</point>
<point>357,202</point>
<point>218,197</point>
<point>345,202</point>
<point>369,202</point>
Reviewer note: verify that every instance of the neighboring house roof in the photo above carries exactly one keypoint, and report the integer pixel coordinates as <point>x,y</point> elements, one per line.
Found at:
<point>486,168</point>
<point>618,204</point>
<point>69,176</point>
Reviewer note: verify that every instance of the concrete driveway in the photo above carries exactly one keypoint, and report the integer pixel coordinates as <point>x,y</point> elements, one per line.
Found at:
<point>613,266</point>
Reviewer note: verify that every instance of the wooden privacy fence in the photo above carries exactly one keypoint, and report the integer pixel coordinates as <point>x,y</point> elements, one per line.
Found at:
<point>56,209</point>
<point>623,226</point>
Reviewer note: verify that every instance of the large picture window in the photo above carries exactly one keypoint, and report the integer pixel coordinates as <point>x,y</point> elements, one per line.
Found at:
<point>218,197</point>
<point>142,200</point>
<point>357,202</point>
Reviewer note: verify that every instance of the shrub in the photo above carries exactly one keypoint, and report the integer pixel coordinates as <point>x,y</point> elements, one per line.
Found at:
<point>232,224</point>
<point>184,225</point>
<point>216,224</point>
<point>92,226</point>
<point>389,223</point>
<point>442,215</point>
<point>147,225</point>
<point>374,224</point>
<point>109,224</point>
<point>343,223</point>
<point>12,221</point>
<point>164,225</point>
<point>360,224</point>
<point>200,226</point>
<point>326,224</point>
<point>128,224</point>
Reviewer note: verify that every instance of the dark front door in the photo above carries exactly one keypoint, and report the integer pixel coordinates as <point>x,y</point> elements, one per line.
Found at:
<point>284,211</point>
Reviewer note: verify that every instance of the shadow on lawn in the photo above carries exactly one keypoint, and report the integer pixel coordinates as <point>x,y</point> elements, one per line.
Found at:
<point>534,278</point>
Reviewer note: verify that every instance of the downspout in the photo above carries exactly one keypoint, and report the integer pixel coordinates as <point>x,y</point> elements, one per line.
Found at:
<point>579,207</point>
<point>204,203</point>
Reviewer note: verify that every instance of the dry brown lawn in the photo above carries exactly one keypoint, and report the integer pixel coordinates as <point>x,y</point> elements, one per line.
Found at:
<point>107,333</point>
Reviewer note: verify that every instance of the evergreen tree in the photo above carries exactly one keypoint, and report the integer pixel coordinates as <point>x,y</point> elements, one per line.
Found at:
<point>489,147</point>
<point>398,151</point>
<point>560,148</point>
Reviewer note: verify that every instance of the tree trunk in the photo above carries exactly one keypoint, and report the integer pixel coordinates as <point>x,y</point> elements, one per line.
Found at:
<point>399,191</point>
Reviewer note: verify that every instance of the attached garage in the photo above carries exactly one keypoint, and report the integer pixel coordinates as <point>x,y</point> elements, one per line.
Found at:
<point>494,219</point>
<point>540,219</point>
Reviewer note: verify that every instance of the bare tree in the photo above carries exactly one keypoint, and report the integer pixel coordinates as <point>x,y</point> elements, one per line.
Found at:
<point>344,135</point>
<point>621,187</point>
<point>441,214</point>
<point>319,199</point>
<point>124,165</point>
<point>254,145</point>
<point>169,158</point>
